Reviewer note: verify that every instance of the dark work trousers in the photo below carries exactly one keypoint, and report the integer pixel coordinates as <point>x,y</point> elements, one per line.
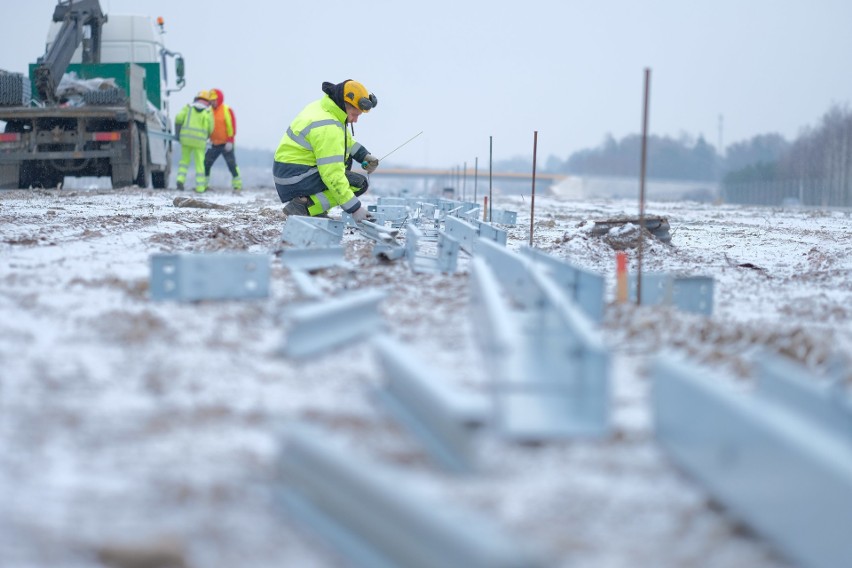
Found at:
<point>213,153</point>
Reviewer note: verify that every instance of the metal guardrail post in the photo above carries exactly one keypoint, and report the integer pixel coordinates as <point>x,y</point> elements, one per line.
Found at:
<point>788,476</point>
<point>374,519</point>
<point>212,276</point>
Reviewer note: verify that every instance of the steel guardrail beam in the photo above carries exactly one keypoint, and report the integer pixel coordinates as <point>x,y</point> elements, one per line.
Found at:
<point>444,419</point>
<point>468,233</point>
<point>821,401</point>
<point>788,476</point>
<point>315,327</point>
<point>550,380</point>
<point>586,288</point>
<point>374,518</point>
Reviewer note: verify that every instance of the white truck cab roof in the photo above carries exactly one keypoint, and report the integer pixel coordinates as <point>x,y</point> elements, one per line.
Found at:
<point>124,39</point>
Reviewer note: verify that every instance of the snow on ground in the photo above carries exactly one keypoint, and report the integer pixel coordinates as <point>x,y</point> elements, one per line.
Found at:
<point>131,424</point>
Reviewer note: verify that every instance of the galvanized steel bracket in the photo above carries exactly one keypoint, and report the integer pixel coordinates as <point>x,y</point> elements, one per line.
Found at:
<point>687,293</point>
<point>446,252</point>
<point>209,276</point>
<point>312,232</point>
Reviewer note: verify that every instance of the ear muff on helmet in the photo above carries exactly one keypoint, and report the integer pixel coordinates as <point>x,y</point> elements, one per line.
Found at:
<point>368,103</point>
<point>357,95</point>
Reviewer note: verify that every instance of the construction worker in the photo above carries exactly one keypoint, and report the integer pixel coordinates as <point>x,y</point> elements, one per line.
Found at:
<point>312,164</point>
<point>222,138</point>
<point>193,125</point>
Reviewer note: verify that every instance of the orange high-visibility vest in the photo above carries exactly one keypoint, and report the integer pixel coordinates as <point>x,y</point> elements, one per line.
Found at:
<point>224,125</point>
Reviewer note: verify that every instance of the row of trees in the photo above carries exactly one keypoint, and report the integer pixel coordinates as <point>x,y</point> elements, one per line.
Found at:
<point>683,158</point>
<point>814,169</point>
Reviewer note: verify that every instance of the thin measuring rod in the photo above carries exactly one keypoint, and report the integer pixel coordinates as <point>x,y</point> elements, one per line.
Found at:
<point>401,145</point>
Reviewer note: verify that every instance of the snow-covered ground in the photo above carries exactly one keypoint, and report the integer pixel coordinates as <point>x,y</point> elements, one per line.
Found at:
<point>133,429</point>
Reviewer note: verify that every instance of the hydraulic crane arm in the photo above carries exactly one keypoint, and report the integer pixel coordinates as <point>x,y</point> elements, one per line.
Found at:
<point>74,15</point>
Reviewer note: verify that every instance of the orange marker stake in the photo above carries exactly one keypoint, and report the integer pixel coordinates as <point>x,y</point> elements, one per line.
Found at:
<point>485,210</point>
<point>621,277</point>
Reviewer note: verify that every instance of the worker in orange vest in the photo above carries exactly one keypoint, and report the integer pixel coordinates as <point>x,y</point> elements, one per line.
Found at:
<point>222,138</point>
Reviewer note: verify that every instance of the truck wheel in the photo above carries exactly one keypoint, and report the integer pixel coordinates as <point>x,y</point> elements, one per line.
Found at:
<point>10,176</point>
<point>125,173</point>
<point>160,179</point>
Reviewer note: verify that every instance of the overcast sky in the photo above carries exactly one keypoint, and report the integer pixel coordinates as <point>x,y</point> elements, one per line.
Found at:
<point>464,71</point>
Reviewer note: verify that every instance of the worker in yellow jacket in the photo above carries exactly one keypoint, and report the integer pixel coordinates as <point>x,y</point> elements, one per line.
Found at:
<point>313,160</point>
<point>193,125</point>
<point>222,138</point>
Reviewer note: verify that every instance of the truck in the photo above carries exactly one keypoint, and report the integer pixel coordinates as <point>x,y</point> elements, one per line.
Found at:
<point>94,105</point>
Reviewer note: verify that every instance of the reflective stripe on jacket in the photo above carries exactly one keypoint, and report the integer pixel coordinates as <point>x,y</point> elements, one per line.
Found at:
<point>224,125</point>
<point>318,142</point>
<point>195,126</point>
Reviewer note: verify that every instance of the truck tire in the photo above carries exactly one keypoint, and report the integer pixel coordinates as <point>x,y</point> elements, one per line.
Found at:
<point>124,173</point>
<point>160,179</point>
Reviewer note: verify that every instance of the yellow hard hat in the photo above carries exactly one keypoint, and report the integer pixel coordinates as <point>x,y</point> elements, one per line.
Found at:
<point>357,95</point>
<point>204,95</point>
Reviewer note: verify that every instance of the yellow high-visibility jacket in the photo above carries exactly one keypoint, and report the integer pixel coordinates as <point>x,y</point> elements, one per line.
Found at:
<point>194,126</point>
<point>317,142</point>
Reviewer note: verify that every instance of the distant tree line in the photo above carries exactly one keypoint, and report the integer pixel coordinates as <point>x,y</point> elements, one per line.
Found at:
<point>814,169</point>
<point>684,158</point>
